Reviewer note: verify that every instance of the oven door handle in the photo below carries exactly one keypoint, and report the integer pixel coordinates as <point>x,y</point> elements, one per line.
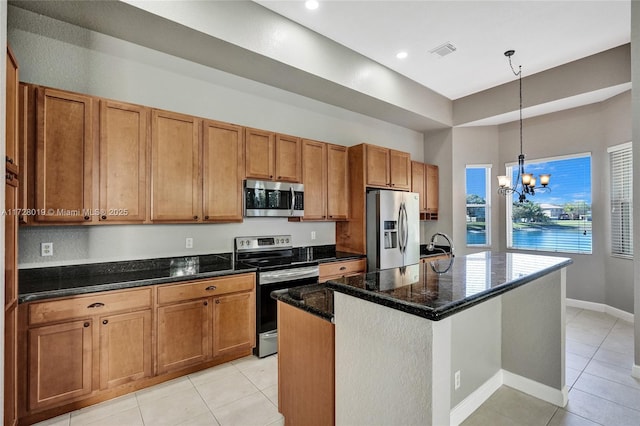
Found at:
<point>272,277</point>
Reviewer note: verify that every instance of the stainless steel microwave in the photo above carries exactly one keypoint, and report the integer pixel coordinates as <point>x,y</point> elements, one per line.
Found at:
<point>273,199</point>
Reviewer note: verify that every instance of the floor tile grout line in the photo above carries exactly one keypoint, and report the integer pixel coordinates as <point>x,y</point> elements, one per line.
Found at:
<point>608,400</point>
<point>203,400</point>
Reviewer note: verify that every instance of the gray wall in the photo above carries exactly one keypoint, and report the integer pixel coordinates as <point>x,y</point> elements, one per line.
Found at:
<point>61,55</point>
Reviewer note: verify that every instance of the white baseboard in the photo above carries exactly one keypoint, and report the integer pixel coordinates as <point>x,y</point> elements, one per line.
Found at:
<point>536,389</point>
<point>601,307</point>
<point>635,371</point>
<point>471,403</point>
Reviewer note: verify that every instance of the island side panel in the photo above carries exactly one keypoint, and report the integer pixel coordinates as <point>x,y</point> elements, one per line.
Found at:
<point>533,338</point>
<point>383,364</point>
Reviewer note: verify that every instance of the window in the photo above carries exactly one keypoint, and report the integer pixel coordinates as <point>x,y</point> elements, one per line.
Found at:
<point>478,185</point>
<point>621,172</point>
<point>558,220</point>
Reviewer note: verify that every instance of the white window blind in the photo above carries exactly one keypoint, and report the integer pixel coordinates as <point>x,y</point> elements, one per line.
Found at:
<point>621,169</point>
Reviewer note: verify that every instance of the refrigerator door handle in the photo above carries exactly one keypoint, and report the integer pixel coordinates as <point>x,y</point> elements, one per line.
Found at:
<point>405,222</point>
<point>402,225</point>
<point>400,239</point>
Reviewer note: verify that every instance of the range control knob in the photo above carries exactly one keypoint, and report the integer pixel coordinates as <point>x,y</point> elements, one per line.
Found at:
<point>286,241</point>
<point>246,242</point>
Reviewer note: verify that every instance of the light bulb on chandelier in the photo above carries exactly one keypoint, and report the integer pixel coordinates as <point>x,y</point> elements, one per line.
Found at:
<point>525,182</point>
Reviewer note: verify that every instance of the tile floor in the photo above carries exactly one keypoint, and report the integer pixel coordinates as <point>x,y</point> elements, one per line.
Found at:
<point>244,392</point>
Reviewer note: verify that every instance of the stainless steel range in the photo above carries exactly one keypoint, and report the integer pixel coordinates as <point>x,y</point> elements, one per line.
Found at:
<point>277,268</point>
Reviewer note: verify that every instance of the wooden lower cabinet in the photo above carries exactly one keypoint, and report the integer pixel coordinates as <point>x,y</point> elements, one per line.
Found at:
<point>125,348</point>
<point>184,334</point>
<point>60,363</point>
<point>306,367</point>
<point>333,270</point>
<point>234,322</point>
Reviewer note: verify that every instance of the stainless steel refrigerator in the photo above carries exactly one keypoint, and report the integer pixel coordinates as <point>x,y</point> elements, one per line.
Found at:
<point>393,229</point>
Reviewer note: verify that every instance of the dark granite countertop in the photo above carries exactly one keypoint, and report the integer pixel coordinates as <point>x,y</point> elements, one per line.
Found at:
<point>435,290</point>
<point>316,299</point>
<point>63,281</point>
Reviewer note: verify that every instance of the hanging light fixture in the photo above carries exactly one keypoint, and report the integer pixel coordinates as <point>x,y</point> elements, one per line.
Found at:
<point>525,182</point>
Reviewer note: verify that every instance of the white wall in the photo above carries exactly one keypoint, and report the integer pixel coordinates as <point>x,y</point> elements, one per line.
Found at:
<point>65,56</point>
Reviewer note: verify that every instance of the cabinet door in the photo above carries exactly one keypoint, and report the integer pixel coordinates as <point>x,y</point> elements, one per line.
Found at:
<point>125,348</point>
<point>27,148</point>
<point>60,363</point>
<point>418,183</point>
<point>222,170</point>
<point>259,154</point>
<point>184,331</point>
<point>11,113</point>
<point>314,169</point>
<point>11,240</point>
<point>432,188</point>
<point>288,158</point>
<point>175,167</point>
<point>377,166</point>
<point>234,322</point>
<point>337,183</point>
<point>64,157</point>
<point>123,162</point>
<point>400,169</point>
<point>10,366</point>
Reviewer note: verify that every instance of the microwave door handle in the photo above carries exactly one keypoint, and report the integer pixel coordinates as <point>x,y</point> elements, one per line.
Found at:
<point>293,200</point>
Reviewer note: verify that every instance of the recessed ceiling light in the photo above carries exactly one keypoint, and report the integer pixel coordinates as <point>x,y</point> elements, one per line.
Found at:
<point>312,4</point>
<point>402,55</point>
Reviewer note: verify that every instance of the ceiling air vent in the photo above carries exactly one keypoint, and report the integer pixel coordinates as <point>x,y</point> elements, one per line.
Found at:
<point>443,49</point>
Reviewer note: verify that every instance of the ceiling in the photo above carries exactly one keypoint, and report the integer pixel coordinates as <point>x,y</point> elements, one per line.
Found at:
<point>544,34</point>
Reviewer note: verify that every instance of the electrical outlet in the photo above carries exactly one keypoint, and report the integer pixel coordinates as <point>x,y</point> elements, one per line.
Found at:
<point>188,243</point>
<point>313,235</point>
<point>456,380</point>
<point>46,249</point>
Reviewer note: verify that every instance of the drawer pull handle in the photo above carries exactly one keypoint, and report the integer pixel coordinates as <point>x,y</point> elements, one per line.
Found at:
<point>211,288</point>
<point>105,322</point>
<point>86,324</point>
<point>95,305</point>
<point>343,268</point>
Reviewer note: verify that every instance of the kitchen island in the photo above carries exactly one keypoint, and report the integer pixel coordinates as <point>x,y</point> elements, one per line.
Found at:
<point>429,343</point>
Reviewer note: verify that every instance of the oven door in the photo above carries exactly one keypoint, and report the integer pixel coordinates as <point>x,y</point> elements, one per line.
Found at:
<point>267,313</point>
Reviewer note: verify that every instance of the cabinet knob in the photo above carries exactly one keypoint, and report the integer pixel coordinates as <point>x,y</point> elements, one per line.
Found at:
<point>206,303</point>
<point>103,217</point>
<point>342,268</point>
<point>95,305</point>
<point>105,322</point>
<point>270,176</point>
<point>86,324</point>
<point>206,218</point>
<point>195,218</point>
<point>87,218</point>
<point>211,288</point>
<point>9,159</point>
<point>217,301</point>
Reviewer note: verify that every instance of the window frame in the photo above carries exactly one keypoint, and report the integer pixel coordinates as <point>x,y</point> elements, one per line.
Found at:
<point>487,205</point>
<point>611,150</point>
<point>509,201</point>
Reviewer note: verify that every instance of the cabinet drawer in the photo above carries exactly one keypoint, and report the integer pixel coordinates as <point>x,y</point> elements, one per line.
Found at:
<point>205,288</point>
<point>86,306</point>
<point>339,269</point>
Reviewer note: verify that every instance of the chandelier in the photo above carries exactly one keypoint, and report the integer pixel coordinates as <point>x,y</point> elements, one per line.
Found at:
<point>525,183</point>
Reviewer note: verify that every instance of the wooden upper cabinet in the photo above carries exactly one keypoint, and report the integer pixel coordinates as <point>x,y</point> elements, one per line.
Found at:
<point>432,182</point>
<point>388,168</point>
<point>400,170</point>
<point>314,169</point>
<point>222,171</point>
<point>64,157</point>
<point>27,147</point>
<point>377,166</point>
<point>270,156</point>
<point>175,167</point>
<point>259,154</point>
<point>12,150</point>
<point>418,183</point>
<point>288,158</point>
<point>123,162</point>
<point>337,183</point>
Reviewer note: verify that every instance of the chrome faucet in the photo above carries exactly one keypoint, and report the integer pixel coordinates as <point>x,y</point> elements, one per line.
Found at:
<point>431,245</point>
